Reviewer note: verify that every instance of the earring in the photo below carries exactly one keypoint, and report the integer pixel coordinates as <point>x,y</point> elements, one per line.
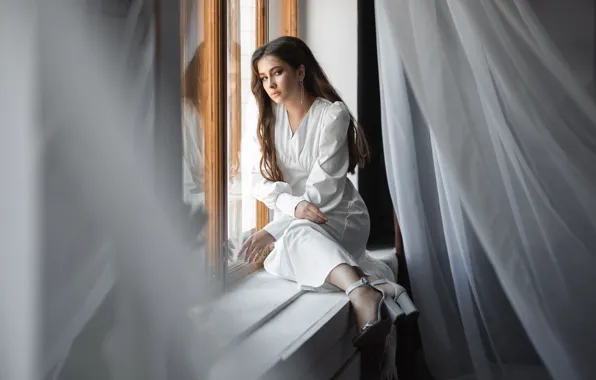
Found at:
<point>301,91</point>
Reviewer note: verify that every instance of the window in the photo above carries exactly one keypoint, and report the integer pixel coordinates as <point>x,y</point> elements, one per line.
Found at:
<point>241,124</point>
<point>219,121</point>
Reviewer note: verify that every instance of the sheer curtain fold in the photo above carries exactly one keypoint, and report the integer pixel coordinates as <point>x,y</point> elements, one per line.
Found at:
<point>490,146</point>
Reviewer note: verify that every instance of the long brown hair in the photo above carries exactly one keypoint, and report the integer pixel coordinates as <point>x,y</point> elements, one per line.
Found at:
<point>295,52</point>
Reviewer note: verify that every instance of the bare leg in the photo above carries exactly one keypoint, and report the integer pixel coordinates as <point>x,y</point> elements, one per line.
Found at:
<point>364,299</point>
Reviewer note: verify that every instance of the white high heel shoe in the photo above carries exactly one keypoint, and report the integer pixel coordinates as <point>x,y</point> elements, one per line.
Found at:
<point>376,331</point>
<point>401,298</point>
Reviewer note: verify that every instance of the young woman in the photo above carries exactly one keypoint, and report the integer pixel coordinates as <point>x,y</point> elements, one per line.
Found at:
<point>309,143</point>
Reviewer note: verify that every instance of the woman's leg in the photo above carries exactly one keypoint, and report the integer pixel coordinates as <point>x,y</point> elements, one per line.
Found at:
<point>364,299</point>
<point>309,257</point>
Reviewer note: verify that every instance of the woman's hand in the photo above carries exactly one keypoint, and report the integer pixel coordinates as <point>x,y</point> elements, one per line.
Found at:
<point>254,247</point>
<point>308,211</point>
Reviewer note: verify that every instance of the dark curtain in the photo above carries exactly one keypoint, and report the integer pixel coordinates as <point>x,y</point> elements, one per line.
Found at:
<point>372,180</point>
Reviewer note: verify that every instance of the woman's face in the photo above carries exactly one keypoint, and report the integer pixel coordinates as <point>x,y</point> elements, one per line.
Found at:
<point>280,81</point>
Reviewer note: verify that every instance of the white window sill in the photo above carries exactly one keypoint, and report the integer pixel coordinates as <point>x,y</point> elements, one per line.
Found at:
<point>277,331</point>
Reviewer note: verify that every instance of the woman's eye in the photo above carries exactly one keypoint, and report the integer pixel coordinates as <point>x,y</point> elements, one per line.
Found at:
<point>263,79</point>
<point>277,73</point>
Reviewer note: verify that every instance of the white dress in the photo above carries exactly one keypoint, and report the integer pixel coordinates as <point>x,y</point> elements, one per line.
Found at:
<point>314,163</point>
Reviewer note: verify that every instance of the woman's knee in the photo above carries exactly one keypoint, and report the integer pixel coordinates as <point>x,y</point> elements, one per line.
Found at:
<point>299,224</point>
<point>300,227</point>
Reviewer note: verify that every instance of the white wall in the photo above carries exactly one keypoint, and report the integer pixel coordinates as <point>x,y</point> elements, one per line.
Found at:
<point>330,28</point>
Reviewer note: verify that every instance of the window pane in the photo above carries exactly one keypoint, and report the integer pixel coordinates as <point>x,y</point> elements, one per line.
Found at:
<point>242,119</point>
<point>194,68</point>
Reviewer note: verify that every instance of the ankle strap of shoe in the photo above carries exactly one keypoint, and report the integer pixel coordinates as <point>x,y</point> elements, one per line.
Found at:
<point>362,282</point>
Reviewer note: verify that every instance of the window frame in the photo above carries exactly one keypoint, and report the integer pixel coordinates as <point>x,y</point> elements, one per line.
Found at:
<point>214,91</point>
<point>290,21</point>
<point>215,126</point>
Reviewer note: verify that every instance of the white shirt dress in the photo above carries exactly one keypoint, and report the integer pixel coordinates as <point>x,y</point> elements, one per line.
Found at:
<point>314,162</point>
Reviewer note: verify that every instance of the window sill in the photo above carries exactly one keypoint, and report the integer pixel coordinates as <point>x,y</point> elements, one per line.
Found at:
<point>277,331</point>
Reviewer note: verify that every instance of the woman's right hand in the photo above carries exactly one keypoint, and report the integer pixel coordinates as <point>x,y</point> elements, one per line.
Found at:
<point>308,211</point>
<point>256,246</point>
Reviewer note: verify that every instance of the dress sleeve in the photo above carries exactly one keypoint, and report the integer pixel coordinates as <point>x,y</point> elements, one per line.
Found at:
<point>275,195</point>
<point>327,179</point>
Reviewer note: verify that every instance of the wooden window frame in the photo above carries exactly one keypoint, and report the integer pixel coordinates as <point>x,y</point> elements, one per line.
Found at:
<point>290,20</point>
<point>214,91</point>
<point>215,125</point>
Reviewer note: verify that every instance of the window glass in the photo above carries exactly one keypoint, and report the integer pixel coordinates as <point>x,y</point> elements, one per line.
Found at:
<point>242,120</point>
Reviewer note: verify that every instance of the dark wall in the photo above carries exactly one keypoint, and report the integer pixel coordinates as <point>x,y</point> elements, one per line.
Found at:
<point>372,180</point>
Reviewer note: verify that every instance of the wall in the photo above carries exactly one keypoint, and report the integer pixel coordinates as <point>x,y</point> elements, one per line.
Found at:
<point>330,28</point>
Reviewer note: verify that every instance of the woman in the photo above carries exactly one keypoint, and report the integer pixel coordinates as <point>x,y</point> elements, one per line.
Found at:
<point>309,143</point>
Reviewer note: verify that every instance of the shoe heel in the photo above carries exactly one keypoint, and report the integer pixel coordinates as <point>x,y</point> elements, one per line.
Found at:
<point>405,302</point>
<point>394,312</point>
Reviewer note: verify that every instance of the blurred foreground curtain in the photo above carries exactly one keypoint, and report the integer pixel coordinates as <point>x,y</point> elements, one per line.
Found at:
<point>120,266</point>
<point>490,148</point>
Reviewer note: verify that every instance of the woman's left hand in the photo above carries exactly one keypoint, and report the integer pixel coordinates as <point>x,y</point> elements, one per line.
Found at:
<point>255,244</point>
<point>308,211</point>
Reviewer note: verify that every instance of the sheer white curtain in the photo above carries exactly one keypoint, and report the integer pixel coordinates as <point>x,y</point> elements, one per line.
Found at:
<point>490,145</point>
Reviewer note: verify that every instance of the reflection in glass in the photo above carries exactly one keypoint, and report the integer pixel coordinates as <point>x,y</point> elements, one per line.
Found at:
<point>193,132</point>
